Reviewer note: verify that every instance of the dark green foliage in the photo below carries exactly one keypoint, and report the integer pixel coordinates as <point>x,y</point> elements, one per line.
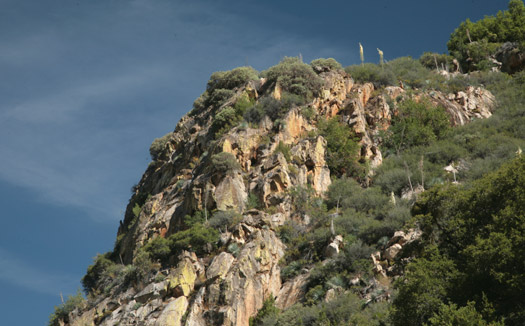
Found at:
<point>423,289</point>
<point>472,42</point>
<point>324,65</point>
<point>159,145</point>
<point>283,149</point>
<point>480,229</point>
<point>342,148</point>
<point>218,97</point>
<point>222,220</point>
<point>417,124</point>
<point>95,272</point>
<point>346,309</point>
<point>198,238</point>
<point>463,316</point>
<point>136,210</point>
<point>294,76</point>
<point>252,202</point>
<point>158,249</point>
<point>443,61</point>
<point>372,73</point>
<point>225,162</point>
<point>274,109</point>
<point>231,79</point>
<point>410,72</point>
<point>229,117</point>
<point>221,86</point>
<point>224,120</point>
<point>268,311</point>
<point>308,112</point>
<point>62,311</point>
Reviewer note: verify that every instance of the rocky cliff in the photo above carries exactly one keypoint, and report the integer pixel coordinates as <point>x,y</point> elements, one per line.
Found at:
<point>249,171</point>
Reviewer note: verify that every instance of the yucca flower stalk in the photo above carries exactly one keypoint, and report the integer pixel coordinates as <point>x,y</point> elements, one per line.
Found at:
<point>380,57</point>
<point>361,54</point>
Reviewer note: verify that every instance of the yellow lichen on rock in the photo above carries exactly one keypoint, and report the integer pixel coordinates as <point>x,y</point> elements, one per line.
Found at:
<point>172,313</point>
<point>182,280</point>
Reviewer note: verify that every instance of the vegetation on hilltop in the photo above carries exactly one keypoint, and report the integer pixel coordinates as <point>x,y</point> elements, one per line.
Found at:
<point>473,42</point>
<point>467,269</point>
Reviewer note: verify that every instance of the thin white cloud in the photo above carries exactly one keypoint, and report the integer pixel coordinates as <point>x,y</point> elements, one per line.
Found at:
<point>59,107</point>
<point>20,273</point>
<point>48,146</point>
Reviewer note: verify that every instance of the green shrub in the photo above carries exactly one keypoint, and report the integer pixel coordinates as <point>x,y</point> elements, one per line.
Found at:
<point>372,73</point>
<point>198,239</point>
<point>224,120</point>
<point>422,289</point>
<point>308,112</point>
<point>222,220</point>
<point>218,97</point>
<point>294,76</point>
<point>324,65</point>
<point>95,272</point>
<point>229,117</point>
<point>254,114</point>
<point>159,145</point>
<point>268,310</point>
<point>136,210</point>
<point>443,61</point>
<point>225,162</point>
<point>417,124</point>
<point>62,311</point>
<point>450,314</point>
<point>252,201</point>
<point>342,147</point>
<point>472,42</point>
<point>231,79</point>
<point>410,72</point>
<point>158,249</point>
<point>283,149</point>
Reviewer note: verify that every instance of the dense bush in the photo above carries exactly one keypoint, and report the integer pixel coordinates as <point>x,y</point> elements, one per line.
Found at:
<point>221,86</point>
<point>410,72</point>
<point>346,309</point>
<point>473,42</point>
<point>62,311</point>
<point>443,61</point>
<point>342,148</point>
<point>294,76</point>
<point>225,162</point>
<point>231,79</point>
<point>229,117</point>
<point>222,220</point>
<point>199,238</point>
<point>283,149</point>
<point>159,145</point>
<point>479,232</point>
<point>372,73</point>
<point>417,124</point>
<point>95,271</point>
<point>324,65</point>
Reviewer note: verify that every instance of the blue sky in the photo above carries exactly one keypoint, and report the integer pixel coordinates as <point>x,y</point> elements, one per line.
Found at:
<point>85,86</point>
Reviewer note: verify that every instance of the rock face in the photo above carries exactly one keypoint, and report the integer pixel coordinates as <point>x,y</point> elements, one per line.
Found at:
<point>227,286</point>
<point>510,58</point>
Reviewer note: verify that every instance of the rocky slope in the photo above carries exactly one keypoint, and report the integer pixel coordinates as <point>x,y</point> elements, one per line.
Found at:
<point>225,286</point>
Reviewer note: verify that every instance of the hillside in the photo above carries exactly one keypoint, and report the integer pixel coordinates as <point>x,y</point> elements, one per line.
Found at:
<point>309,194</point>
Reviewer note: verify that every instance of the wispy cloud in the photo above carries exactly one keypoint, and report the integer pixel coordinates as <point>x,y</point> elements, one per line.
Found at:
<point>20,273</point>
<point>80,139</point>
<point>59,107</point>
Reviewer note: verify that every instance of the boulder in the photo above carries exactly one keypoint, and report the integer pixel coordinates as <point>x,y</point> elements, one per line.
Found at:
<point>220,265</point>
<point>391,252</point>
<point>172,313</point>
<point>182,280</point>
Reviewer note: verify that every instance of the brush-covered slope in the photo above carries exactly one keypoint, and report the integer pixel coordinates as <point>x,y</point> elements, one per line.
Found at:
<point>256,186</point>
